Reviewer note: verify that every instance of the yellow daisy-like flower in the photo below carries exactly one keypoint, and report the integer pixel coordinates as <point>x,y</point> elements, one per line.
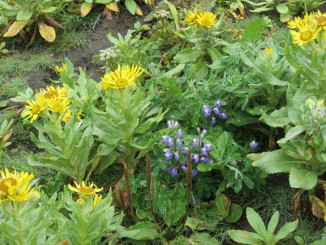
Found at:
<point>51,92</point>
<point>206,19</point>
<point>321,19</point>
<point>268,51</point>
<point>85,190</point>
<point>97,200</point>
<point>60,69</point>
<point>299,22</point>
<point>66,117</point>
<point>306,33</point>
<point>59,105</point>
<point>14,186</point>
<point>34,108</point>
<point>192,18</point>
<point>122,77</point>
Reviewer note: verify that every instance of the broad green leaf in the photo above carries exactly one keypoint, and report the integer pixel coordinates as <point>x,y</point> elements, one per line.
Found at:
<point>256,222</point>
<point>24,15</point>
<point>141,231</point>
<point>85,8</point>
<point>245,237</point>
<point>174,71</point>
<point>234,213</point>
<point>303,178</point>
<point>206,167</point>
<point>277,162</point>
<point>254,30</point>
<point>199,70</point>
<point>47,32</point>
<point>187,55</point>
<point>131,6</point>
<point>282,8</point>
<point>197,238</point>
<point>278,118</point>
<point>15,28</point>
<point>292,133</point>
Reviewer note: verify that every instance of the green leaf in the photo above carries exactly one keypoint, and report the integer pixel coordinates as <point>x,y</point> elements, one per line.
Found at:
<point>282,8</point>
<point>187,55</point>
<point>206,167</point>
<point>199,70</point>
<point>303,178</point>
<point>141,231</point>
<point>175,71</point>
<point>24,15</point>
<point>131,6</point>
<point>254,30</point>
<point>291,134</point>
<point>273,223</point>
<point>285,231</point>
<point>234,213</point>
<point>197,238</point>
<point>256,222</point>
<point>277,162</point>
<point>278,118</point>
<point>245,237</point>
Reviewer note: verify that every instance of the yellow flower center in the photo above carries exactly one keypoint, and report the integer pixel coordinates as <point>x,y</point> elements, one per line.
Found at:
<point>306,35</point>
<point>35,109</point>
<point>321,20</point>
<point>86,190</point>
<point>122,83</point>
<point>51,94</point>
<point>4,184</point>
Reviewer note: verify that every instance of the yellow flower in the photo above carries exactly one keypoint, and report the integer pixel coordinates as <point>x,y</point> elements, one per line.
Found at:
<point>78,114</point>
<point>268,51</point>
<point>97,200</point>
<point>34,108</point>
<point>80,201</point>
<point>321,19</point>
<point>192,18</point>
<point>14,186</point>
<point>60,69</point>
<point>85,190</point>
<point>307,31</point>
<point>59,105</point>
<point>51,92</point>
<point>66,117</point>
<point>122,77</point>
<point>298,22</point>
<point>206,19</point>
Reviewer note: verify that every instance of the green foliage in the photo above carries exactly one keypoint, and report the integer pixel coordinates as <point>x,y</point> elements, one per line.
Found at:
<point>262,235</point>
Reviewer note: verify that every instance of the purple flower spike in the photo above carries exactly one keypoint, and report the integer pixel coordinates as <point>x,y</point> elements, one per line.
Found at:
<point>217,112</point>
<point>208,147</point>
<point>194,173</point>
<point>171,142</point>
<point>196,142</point>
<point>173,171</point>
<point>253,144</point>
<point>172,124</point>
<point>202,135</point>
<point>213,120</point>
<point>223,116</point>
<point>179,142</point>
<point>206,159</point>
<point>184,150</point>
<point>218,104</point>
<point>168,154</point>
<point>207,110</point>
<point>184,168</point>
<point>176,154</point>
<point>165,139</point>
<point>179,133</point>
<point>204,151</point>
<point>195,158</point>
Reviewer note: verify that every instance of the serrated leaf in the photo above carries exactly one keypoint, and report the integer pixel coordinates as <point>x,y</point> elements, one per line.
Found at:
<point>303,178</point>
<point>47,32</point>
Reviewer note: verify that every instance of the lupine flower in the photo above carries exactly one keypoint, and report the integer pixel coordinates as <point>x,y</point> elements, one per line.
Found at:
<point>196,142</point>
<point>184,150</point>
<point>213,120</point>
<point>253,144</point>
<point>195,157</point>
<point>194,173</point>
<point>217,112</point>
<point>172,124</point>
<point>179,142</point>
<point>171,142</point>
<point>207,110</point>
<point>173,171</point>
<point>218,104</point>
<point>179,133</point>
<point>165,139</point>
<point>184,168</point>
<point>176,154</point>
<point>207,148</point>
<point>206,159</point>
<point>202,135</point>
<point>168,154</point>
<point>223,116</point>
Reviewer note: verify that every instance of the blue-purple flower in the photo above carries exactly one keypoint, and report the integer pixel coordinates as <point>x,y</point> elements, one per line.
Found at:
<point>172,124</point>
<point>179,133</point>
<point>202,135</point>
<point>253,144</point>
<point>173,171</point>
<point>207,110</point>
<point>218,104</point>
<point>223,116</point>
<point>207,148</point>
<point>184,150</point>
<point>195,157</point>
<point>179,142</point>
<point>194,172</point>
<point>165,139</point>
<point>196,142</point>
<point>206,159</point>
<point>213,120</point>
<point>168,154</point>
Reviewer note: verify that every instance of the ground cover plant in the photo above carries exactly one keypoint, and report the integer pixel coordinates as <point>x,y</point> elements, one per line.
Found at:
<point>196,124</point>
